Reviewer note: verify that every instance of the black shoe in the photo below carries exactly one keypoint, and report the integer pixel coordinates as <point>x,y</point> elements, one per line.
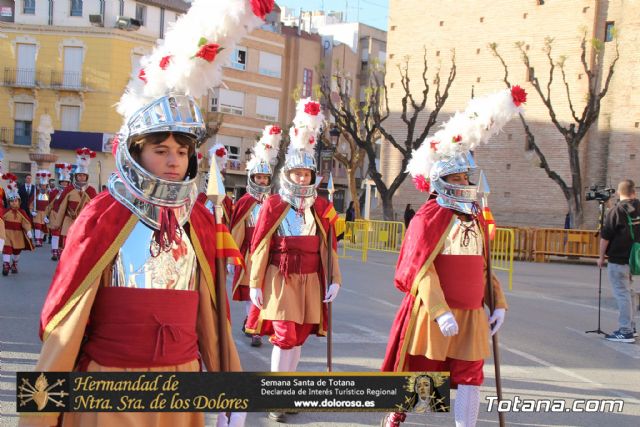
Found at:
<point>635,333</point>
<point>276,416</point>
<point>256,341</point>
<point>244,330</point>
<point>618,336</point>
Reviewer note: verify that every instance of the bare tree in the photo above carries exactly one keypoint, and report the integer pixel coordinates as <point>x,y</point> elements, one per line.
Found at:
<point>364,124</point>
<point>577,127</point>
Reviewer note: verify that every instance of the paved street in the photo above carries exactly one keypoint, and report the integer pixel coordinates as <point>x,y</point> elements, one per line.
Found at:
<point>544,350</point>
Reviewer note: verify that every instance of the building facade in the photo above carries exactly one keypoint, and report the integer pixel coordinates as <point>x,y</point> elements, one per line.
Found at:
<point>71,60</point>
<point>522,193</point>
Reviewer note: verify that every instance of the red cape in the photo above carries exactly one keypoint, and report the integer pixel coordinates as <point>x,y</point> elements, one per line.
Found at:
<point>227,206</point>
<point>240,209</point>
<point>274,207</point>
<point>93,241</point>
<point>425,231</point>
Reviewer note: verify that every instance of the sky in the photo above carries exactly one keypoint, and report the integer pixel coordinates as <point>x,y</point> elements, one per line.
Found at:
<point>370,12</point>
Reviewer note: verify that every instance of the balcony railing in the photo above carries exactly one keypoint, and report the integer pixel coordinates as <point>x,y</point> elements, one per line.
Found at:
<point>20,136</point>
<point>68,80</point>
<point>21,77</point>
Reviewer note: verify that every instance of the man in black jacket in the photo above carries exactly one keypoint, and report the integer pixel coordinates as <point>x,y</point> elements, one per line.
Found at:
<point>615,241</point>
<point>26,190</point>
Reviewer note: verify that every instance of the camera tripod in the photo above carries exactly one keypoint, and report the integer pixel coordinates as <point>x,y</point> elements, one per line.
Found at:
<point>601,223</point>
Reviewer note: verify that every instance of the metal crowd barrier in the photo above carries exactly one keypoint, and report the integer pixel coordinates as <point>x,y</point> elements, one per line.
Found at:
<point>367,235</point>
<point>502,252</point>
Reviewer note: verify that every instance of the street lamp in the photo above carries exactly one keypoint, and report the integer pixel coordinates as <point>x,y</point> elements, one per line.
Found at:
<point>247,155</point>
<point>334,135</point>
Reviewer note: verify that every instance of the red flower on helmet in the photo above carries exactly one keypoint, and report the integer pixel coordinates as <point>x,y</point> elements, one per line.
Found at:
<point>312,140</point>
<point>275,130</point>
<point>165,61</point>
<point>312,108</point>
<point>268,146</point>
<point>142,75</point>
<point>200,155</point>
<point>457,138</point>
<point>518,95</point>
<point>221,152</point>
<point>262,8</point>
<point>434,144</point>
<point>114,145</point>
<point>208,51</point>
<point>422,184</point>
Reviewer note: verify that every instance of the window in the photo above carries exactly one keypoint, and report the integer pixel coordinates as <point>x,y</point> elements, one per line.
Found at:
<point>29,7</point>
<point>307,82</point>
<point>141,13</point>
<point>20,169</point>
<point>609,31</point>
<point>70,117</point>
<point>227,101</point>
<point>26,72</point>
<point>72,76</point>
<point>267,108</point>
<point>239,58</point>
<point>23,122</point>
<point>76,8</point>
<point>270,64</point>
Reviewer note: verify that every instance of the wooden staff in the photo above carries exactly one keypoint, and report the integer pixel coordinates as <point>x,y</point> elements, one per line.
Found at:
<point>484,191</point>
<point>216,193</point>
<point>331,189</point>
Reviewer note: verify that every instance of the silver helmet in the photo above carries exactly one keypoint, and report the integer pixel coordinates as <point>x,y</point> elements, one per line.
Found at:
<point>138,189</point>
<point>461,198</point>
<point>259,192</point>
<point>299,196</point>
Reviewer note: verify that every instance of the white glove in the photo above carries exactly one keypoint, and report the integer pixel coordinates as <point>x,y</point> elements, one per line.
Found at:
<point>30,234</point>
<point>46,220</point>
<point>230,269</point>
<point>256,297</point>
<point>332,292</point>
<point>498,318</point>
<point>34,213</point>
<point>448,324</point>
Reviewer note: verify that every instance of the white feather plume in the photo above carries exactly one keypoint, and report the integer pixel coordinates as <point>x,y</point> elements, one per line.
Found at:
<point>222,22</point>
<point>220,154</point>
<point>267,147</point>
<point>483,118</point>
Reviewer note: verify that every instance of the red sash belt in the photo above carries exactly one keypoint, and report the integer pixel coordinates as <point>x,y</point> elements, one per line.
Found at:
<point>461,279</point>
<point>11,225</point>
<point>41,205</point>
<point>296,254</point>
<point>136,328</point>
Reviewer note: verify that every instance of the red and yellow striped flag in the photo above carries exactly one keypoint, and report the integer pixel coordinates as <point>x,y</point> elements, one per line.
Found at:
<point>226,247</point>
<point>491,223</point>
<point>330,214</point>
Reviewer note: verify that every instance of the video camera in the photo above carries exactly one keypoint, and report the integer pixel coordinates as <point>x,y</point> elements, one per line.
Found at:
<point>599,193</point>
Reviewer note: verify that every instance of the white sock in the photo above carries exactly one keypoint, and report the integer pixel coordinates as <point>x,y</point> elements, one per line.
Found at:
<point>38,234</point>
<point>54,242</point>
<point>6,258</point>
<point>295,358</point>
<point>466,405</point>
<point>222,420</point>
<point>237,419</point>
<point>281,359</point>
<point>16,258</point>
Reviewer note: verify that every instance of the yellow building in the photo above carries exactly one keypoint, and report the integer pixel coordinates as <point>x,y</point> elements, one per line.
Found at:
<point>72,62</point>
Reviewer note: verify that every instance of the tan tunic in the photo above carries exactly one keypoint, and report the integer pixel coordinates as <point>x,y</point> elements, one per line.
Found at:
<point>61,348</point>
<point>69,209</point>
<point>238,234</point>
<point>2,233</point>
<point>472,340</point>
<point>15,238</point>
<point>297,298</point>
